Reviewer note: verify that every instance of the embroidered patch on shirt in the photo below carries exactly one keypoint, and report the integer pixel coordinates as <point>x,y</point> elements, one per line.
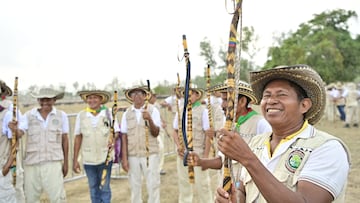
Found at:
<point>294,160</point>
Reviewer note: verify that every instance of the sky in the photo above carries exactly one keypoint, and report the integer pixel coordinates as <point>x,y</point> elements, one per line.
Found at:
<point>47,42</point>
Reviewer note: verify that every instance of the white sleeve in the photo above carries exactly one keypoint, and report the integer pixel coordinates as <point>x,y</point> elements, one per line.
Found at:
<point>65,119</point>
<point>263,126</point>
<point>77,129</point>
<point>205,118</point>
<point>155,115</point>
<point>175,122</point>
<point>123,125</point>
<point>328,167</point>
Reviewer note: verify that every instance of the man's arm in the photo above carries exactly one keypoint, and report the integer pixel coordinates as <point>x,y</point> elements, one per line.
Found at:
<point>77,145</point>
<point>65,148</point>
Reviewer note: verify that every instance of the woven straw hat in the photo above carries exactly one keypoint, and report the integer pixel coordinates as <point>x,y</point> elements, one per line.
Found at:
<point>129,91</point>
<point>105,96</point>
<point>200,91</point>
<point>244,88</point>
<point>4,89</point>
<point>304,76</point>
<point>48,93</point>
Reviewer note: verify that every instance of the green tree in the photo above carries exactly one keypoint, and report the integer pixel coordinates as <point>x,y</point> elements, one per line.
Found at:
<point>325,43</point>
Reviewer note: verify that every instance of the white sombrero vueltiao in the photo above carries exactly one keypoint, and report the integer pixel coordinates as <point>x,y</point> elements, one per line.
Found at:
<point>5,89</point>
<point>304,76</point>
<point>105,95</point>
<point>129,91</point>
<point>48,93</point>
<point>244,88</point>
<point>200,91</point>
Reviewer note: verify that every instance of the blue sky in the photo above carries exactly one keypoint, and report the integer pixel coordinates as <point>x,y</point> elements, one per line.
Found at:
<point>61,42</point>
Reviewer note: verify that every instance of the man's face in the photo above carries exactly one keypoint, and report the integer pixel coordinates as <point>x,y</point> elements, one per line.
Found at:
<point>280,103</point>
<point>46,103</point>
<point>138,97</point>
<point>94,101</point>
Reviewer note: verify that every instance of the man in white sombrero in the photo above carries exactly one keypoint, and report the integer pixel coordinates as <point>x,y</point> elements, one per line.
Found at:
<point>295,162</point>
<point>140,125</point>
<point>92,135</point>
<point>46,150</point>
<point>201,145</point>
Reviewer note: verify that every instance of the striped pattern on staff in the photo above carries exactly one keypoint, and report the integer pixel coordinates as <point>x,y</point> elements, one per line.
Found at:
<point>111,140</point>
<point>189,113</point>
<point>230,113</point>
<point>211,123</point>
<point>180,135</point>
<point>14,133</point>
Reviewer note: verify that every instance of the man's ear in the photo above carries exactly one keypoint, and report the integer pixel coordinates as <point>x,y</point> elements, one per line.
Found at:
<point>305,105</point>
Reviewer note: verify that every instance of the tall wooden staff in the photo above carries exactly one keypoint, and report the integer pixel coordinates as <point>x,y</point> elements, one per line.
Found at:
<point>208,94</point>
<point>180,135</point>
<point>188,108</point>
<point>147,125</point>
<point>230,61</point>
<point>111,141</point>
<point>14,132</point>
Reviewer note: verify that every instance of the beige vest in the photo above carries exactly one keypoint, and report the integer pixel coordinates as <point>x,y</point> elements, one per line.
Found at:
<point>249,128</point>
<point>306,146</point>
<point>198,133</point>
<point>44,145</point>
<point>136,134</point>
<point>218,116</point>
<point>94,147</point>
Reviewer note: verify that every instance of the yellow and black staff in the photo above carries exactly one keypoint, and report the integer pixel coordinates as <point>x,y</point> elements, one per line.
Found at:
<point>111,141</point>
<point>187,134</point>
<point>147,125</point>
<point>230,111</point>
<point>211,123</point>
<point>14,133</point>
<point>180,135</point>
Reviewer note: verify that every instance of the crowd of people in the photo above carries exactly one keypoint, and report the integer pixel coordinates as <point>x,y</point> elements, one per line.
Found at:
<point>278,155</point>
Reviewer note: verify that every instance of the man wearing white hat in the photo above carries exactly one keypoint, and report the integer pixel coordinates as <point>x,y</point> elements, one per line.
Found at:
<point>47,144</point>
<point>92,135</point>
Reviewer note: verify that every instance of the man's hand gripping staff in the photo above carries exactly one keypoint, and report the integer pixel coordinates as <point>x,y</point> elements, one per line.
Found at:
<point>111,141</point>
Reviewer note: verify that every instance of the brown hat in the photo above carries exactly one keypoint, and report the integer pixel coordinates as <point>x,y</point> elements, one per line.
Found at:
<point>105,96</point>
<point>129,91</point>
<point>304,76</point>
<point>4,89</point>
<point>244,88</point>
<point>48,93</point>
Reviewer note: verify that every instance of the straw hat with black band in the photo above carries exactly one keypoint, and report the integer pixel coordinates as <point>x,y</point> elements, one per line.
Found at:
<point>5,90</point>
<point>244,88</point>
<point>302,75</point>
<point>138,88</point>
<point>105,96</point>
<point>48,93</point>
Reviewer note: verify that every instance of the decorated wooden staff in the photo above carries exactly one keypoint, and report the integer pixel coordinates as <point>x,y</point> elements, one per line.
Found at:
<point>211,123</point>
<point>111,141</point>
<point>147,125</point>
<point>187,134</point>
<point>230,62</point>
<point>14,133</point>
<point>180,135</point>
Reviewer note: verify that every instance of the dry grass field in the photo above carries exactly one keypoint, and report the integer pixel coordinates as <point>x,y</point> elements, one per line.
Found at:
<point>77,189</point>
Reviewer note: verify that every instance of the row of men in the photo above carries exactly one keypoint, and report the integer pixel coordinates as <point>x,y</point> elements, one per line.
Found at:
<point>279,155</point>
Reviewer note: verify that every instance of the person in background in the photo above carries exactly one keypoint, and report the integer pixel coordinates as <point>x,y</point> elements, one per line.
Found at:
<point>92,135</point>
<point>352,108</point>
<point>295,162</point>
<point>201,145</point>
<point>162,132</point>
<point>139,123</point>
